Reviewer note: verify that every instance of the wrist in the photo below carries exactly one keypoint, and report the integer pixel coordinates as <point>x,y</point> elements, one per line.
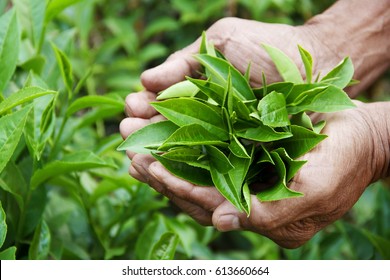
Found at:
<point>377,117</point>
<point>359,29</point>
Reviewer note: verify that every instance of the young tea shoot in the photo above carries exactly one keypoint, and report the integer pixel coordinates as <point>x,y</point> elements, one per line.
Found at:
<point>220,131</point>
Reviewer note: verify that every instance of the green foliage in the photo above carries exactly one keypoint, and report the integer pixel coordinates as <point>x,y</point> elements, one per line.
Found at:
<point>65,69</point>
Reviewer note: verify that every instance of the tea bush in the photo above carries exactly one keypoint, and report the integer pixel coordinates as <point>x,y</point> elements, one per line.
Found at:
<point>65,69</point>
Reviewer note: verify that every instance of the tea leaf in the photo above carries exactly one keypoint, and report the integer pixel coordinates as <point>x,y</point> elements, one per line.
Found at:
<point>302,141</point>
<point>3,225</point>
<point>22,96</point>
<point>54,7</point>
<point>9,46</point>
<point>218,159</point>
<point>282,87</point>
<point>292,166</point>
<point>40,246</point>
<point>212,90</point>
<point>191,135</point>
<point>180,89</point>
<point>246,202</point>
<point>286,67</point>
<point>183,154</point>
<point>220,68</point>
<point>237,148</point>
<point>272,110</point>
<point>341,75</point>
<point>279,190</point>
<point>12,181</point>
<point>82,160</point>
<point>186,111</point>
<point>37,12</point>
<point>152,135</point>
<point>93,101</point>
<point>307,62</point>
<point>226,187</point>
<point>8,254</point>
<point>263,133</point>
<point>11,129</point>
<point>165,248</point>
<point>195,175</point>
<point>65,68</point>
<point>380,243</point>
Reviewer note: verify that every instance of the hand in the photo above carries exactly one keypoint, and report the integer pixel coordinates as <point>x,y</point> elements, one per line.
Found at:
<point>329,180</point>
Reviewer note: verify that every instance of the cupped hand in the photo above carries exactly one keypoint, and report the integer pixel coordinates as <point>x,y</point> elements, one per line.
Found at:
<point>328,179</point>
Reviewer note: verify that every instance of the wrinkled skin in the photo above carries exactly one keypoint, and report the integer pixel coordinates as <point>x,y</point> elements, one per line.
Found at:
<point>328,180</point>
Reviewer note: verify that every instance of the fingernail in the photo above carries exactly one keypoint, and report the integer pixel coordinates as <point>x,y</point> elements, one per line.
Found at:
<point>228,222</point>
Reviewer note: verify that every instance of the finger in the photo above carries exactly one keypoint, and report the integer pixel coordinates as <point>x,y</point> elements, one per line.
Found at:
<point>207,198</point>
<point>173,70</point>
<point>138,105</point>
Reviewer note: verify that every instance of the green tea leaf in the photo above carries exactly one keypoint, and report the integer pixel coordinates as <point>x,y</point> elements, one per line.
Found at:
<point>330,99</point>
<point>195,175</point>
<point>237,148</point>
<point>93,101</point>
<point>218,159</point>
<point>279,190</point>
<point>152,135</point>
<point>246,202</point>
<point>282,87</point>
<point>22,96</point>
<point>180,89</point>
<point>82,160</point>
<point>220,68</point>
<point>183,154</point>
<point>263,133</point>
<point>226,187</point>
<point>191,135</point>
<point>185,111</point>
<point>65,68</point>
<point>299,92</point>
<point>8,254</point>
<point>206,47</point>
<point>212,90</point>
<point>40,246</point>
<point>12,181</point>
<point>272,110</point>
<point>37,12</point>
<point>302,119</point>
<point>165,248</point>
<point>302,141</point>
<point>292,166</point>
<point>11,129</point>
<point>380,243</point>
<point>3,225</point>
<point>9,46</point>
<point>54,7</point>
<point>341,75</point>
<point>286,67</point>
<point>307,62</point>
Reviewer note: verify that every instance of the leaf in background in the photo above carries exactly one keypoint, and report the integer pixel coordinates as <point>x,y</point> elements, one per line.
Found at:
<point>12,181</point>
<point>279,190</point>
<point>263,133</point>
<point>331,99</point>
<point>307,62</point>
<point>286,67</point>
<point>185,111</point>
<point>180,89</point>
<point>9,46</point>
<point>191,135</point>
<point>11,128</point>
<point>272,110</point>
<point>65,68</point>
<point>160,25</point>
<point>149,236</point>
<point>218,159</point>
<point>302,141</point>
<point>8,254</point>
<point>165,248</point>
<point>82,160</point>
<point>219,69</point>
<point>3,225</point>
<point>54,7</point>
<point>22,96</point>
<point>152,135</point>
<point>40,245</point>
<point>195,175</point>
<point>341,75</point>
<point>226,187</point>
<point>94,101</point>
<point>380,243</point>
<point>37,12</point>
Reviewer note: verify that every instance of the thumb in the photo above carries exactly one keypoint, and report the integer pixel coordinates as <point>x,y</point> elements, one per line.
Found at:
<point>173,70</point>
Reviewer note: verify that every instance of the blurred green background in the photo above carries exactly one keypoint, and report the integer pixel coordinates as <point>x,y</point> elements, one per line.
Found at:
<point>98,211</point>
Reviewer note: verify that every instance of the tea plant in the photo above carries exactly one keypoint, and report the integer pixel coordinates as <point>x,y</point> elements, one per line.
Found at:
<point>219,131</point>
